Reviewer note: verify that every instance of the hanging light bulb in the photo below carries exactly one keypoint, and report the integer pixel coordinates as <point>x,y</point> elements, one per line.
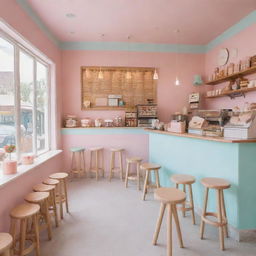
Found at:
<point>155,76</point>
<point>177,82</point>
<point>128,75</point>
<point>100,75</point>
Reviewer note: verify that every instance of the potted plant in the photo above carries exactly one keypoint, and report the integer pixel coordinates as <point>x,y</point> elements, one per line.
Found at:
<point>9,165</point>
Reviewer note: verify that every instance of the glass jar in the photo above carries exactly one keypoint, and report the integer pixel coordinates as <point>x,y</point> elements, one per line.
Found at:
<point>108,123</point>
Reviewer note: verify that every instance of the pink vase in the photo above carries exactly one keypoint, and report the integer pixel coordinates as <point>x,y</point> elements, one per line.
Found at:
<point>9,167</point>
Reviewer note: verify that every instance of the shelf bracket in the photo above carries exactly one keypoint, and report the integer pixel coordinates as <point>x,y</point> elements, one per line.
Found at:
<point>236,94</point>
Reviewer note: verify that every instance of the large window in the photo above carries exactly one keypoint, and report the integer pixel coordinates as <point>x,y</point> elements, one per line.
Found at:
<point>24,99</point>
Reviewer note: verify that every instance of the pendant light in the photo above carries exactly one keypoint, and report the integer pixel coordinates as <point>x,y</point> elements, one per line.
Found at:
<point>177,81</point>
<point>128,74</point>
<point>100,75</point>
<point>155,75</point>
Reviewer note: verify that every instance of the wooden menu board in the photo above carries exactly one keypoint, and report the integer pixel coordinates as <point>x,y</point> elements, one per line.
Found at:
<point>136,85</point>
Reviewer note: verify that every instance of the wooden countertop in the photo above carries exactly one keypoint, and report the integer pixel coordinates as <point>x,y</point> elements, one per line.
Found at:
<point>188,135</point>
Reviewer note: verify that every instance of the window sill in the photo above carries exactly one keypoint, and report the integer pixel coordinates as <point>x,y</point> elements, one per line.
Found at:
<point>22,169</point>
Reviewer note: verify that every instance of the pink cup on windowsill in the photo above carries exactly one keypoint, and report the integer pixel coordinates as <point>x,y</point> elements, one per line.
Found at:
<point>9,167</point>
<point>28,159</point>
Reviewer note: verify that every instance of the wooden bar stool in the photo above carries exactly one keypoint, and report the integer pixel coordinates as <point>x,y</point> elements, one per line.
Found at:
<point>5,244</point>
<point>62,194</point>
<point>219,185</point>
<point>185,180</point>
<point>52,199</point>
<point>128,176</point>
<point>41,198</point>
<point>78,161</point>
<point>114,169</point>
<point>148,167</point>
<point>169,197</point>
<point>98,164</point>
<point>25,214</point>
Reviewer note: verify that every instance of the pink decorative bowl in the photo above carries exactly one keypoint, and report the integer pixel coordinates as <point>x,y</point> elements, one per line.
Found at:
<point>9,167</point>
<point>26,160</point>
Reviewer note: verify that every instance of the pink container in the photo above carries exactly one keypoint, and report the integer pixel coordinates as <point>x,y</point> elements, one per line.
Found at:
<point>26,160</point>
<point>9,167</point>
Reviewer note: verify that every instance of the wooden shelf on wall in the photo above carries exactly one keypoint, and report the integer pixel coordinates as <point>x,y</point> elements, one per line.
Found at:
<point>233,92</point>
<point>231,77</point>
<point>107,108</point>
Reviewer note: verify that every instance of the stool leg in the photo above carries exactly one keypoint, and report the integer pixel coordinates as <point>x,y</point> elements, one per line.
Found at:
<point>80,164</point>
<point>145,185</point>
<point>192,203</point>
<point>184,204</point>
<point>83,160</point>
<point>138,175</point>
<point>72,164</point>
<point>224,214</point>
<point>127,174</point>
<point>157,179</point>
<point>221,233</point>
<point>66,195</point>
<point>176,219</point>
<point>47,219</point>
<point>203,214</point>
<point>169,230</point>
<point>53,199</point>
<point>102,163</point>
<point>159,223</point>
<point>112,162</point>
<point>23,232</point>
<point>97,164</point>
<point>90,163</point>
<point>13,233</point>
<point>121,165</point>
<point>36,231</point>
<point>60,198</point>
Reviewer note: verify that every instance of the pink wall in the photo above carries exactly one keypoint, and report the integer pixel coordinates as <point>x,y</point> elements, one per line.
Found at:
<point>170,97</point>
<point>245,43</point>
<point>134,145</point>
<point>14,192</point>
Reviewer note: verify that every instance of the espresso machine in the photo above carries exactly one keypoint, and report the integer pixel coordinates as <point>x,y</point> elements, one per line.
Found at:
<point>146,113</point>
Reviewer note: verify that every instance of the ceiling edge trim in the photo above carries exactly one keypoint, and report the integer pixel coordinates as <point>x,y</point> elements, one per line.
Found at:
<point>33,15</point>
<point>245,22</point>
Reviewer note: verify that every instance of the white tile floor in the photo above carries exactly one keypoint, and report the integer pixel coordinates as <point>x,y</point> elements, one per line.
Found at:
<point>108,220</point>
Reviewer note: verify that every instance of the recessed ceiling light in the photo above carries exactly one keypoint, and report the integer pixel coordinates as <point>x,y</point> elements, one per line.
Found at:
<point>70,15</point>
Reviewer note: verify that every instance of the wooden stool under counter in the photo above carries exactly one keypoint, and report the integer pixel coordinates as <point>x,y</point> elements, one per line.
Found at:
<point>41,198</point>
<point>98,165</point>
<point>52,199</point>
<point>219,185</point>
<point>78,161</point>
<point>148,167</point>
<point>169,197</point>
<point>114,169</point>
<point>62,193</point>
<point>185,180</point>
<point>5,244</point>
<point>27,216</point>
<point>128,176</point>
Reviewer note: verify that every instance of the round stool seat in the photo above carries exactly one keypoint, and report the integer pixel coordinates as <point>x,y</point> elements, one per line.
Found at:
<point>43,188</point>
<point>58,175</point>
<point>5,241</point>
<point>183,179</point>
<point>150,166</point>
<point>134,160</point>
<point>96,148</point>
<point>51,182</point>
<point>170,195</point>
<point>77,149</point>
<point>36,197</point>
<point>215,183</point>
<point>24,211</point>
<point>116,149</point>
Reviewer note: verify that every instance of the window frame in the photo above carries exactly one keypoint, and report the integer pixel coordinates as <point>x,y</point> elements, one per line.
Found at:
<point>19,47</point>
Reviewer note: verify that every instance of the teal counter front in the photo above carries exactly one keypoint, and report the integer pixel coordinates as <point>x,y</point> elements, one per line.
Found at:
<point>212,157</point>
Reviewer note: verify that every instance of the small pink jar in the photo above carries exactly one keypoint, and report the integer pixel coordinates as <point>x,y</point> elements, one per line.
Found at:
<point>9,167</point>
<point>26,160</point>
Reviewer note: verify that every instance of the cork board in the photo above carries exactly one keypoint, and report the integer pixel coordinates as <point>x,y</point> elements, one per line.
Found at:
<point>136,85</point>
